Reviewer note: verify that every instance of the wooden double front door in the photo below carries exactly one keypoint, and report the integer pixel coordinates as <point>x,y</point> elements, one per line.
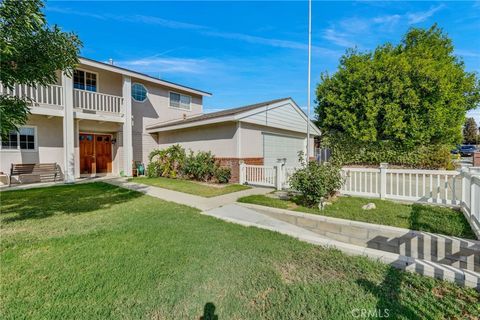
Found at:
<point>95,153</point>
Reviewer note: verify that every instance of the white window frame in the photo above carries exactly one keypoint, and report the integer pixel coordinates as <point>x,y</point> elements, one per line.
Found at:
<point>35,134</point>
<point>85,80</point>
<point>181,94</point>
<point>146,98</point>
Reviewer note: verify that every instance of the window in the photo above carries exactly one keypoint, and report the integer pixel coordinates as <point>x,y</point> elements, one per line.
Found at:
<point>179,101</point>
<point>85,80</point>
<point>139,92</point>
<point>24,139</point>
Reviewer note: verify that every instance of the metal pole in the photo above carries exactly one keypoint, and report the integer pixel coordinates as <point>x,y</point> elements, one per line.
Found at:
<point>309,66</point>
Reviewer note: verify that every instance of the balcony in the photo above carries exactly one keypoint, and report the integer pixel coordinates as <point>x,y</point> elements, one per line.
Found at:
<point>40,96</point>
<point>97,102</point>
<point>46,99</point>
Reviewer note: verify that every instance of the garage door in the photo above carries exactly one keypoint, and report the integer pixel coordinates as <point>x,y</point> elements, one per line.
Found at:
<point>277,147</point>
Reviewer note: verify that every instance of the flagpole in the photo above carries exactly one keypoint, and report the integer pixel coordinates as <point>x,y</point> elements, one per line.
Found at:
<point>309,67</point>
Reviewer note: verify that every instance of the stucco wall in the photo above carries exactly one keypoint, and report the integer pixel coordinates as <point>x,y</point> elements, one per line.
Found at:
<point>219,139</point>
<point>157,107</point>
<point>49,145</point>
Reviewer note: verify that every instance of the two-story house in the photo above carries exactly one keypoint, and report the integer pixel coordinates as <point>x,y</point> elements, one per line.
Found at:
<point>105,117</point>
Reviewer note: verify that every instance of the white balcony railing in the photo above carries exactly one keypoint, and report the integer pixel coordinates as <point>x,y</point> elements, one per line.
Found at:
<point>95,101</point>
<point>51,95</point>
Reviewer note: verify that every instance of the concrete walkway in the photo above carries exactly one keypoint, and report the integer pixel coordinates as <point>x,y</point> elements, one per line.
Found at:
<point>191,200</point>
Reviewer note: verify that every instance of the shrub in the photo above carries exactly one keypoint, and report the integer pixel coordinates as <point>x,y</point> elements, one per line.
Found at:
<point>223,174</point>
<point>167,162</point>
<point>316,182</point>
<point>200,166</point>
<point>347,151</point>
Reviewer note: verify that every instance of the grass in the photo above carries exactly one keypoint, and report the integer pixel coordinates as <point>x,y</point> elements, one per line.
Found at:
<point>95,251</point>
<point>411,216</point>
<point>191,187</point>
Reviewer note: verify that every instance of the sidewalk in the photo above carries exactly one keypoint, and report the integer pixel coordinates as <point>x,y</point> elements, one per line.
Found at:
<point>191,200</point>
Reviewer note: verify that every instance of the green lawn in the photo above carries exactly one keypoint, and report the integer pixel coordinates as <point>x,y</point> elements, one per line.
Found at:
<point>95,251</point>
<point>191,187</point>
<point>411,216</point>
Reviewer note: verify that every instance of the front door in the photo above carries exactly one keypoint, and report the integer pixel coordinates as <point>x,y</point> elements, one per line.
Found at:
<point>95,153</point>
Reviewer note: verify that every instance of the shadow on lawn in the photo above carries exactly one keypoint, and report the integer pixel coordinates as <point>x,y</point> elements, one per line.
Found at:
<point>439,220</point>
<point>388,297</point>
<point>209,312</point>
<point>72,199</point>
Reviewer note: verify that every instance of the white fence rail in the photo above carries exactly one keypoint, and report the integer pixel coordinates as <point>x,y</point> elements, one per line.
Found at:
<point>95,101</point>
<point>433,186</point>
<point>441,187</point>
<point>39,95</point>
<point>259,175</point>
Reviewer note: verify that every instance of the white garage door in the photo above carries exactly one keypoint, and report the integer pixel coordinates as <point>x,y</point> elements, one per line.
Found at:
<point>279,147</point>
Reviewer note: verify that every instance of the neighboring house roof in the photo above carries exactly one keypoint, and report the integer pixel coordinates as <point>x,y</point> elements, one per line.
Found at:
<point>142,76</point>
<point>234,114</point>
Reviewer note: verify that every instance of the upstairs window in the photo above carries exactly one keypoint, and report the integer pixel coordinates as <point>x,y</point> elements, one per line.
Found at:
<point>23,139</point>
<point>180,101</point>
<point>139,92</point>
<point>85,80</point>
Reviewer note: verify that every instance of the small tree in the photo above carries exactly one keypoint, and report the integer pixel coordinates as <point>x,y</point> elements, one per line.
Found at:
<point>30,53</point>
<point>470,131</point>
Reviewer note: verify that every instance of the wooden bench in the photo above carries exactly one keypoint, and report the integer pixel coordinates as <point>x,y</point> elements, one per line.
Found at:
<point>34,172</point>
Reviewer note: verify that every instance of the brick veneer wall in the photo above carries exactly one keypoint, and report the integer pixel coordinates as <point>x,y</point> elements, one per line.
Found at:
<point>476,159</point>
<point>234,165</point>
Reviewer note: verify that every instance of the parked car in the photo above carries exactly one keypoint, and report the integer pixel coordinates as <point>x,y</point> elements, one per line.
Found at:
<point>456,150</point>
<point>467,150</point>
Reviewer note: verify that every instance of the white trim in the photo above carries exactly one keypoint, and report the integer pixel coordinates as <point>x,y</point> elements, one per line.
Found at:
<point>140,76</point>
<point>279,104</point>
<point>181,94</point>
<point>191,124</point>
<point>85,78</point>
<point>234,117</point>
<point>144,86</point>
<point>35,134</point>
<point>239,139</point>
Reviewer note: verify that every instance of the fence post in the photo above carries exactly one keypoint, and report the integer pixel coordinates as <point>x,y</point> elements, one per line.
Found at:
<point>474,172</point>
<point>241,172</point>
<point>383,180</point>
<point>279,174</point>
<point>463,181</point>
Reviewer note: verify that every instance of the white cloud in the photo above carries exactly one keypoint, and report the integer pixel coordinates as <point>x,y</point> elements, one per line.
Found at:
<point>157,66</point>
<point>337,38</point>
<point>387,19</point>
<point>420,16</point>
<point>348,31</point>
<point>204,30</point>
<point>467,53</point>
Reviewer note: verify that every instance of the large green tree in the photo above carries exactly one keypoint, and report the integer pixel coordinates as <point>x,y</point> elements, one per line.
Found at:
<point>30,53</point>
<point>470,131</point>
<point>414,93</point>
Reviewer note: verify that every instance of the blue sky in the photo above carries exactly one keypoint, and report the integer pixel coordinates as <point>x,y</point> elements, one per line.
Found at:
<point>247,52</point>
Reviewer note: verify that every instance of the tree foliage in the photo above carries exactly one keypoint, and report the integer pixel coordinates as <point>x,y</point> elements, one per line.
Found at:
<point>414,93</point>
<point>31,52</point>
<point>470,131</point>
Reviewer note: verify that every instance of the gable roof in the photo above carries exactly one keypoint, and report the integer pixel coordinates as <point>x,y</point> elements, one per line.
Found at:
<point>213,115</point>
<point>139,75</point>
<point>233,114</point>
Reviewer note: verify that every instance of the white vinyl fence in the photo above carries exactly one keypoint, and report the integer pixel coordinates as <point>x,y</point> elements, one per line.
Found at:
<point>441,187</point>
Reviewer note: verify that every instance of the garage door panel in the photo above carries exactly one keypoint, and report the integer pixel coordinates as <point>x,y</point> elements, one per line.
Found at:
<point>277,147</point>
